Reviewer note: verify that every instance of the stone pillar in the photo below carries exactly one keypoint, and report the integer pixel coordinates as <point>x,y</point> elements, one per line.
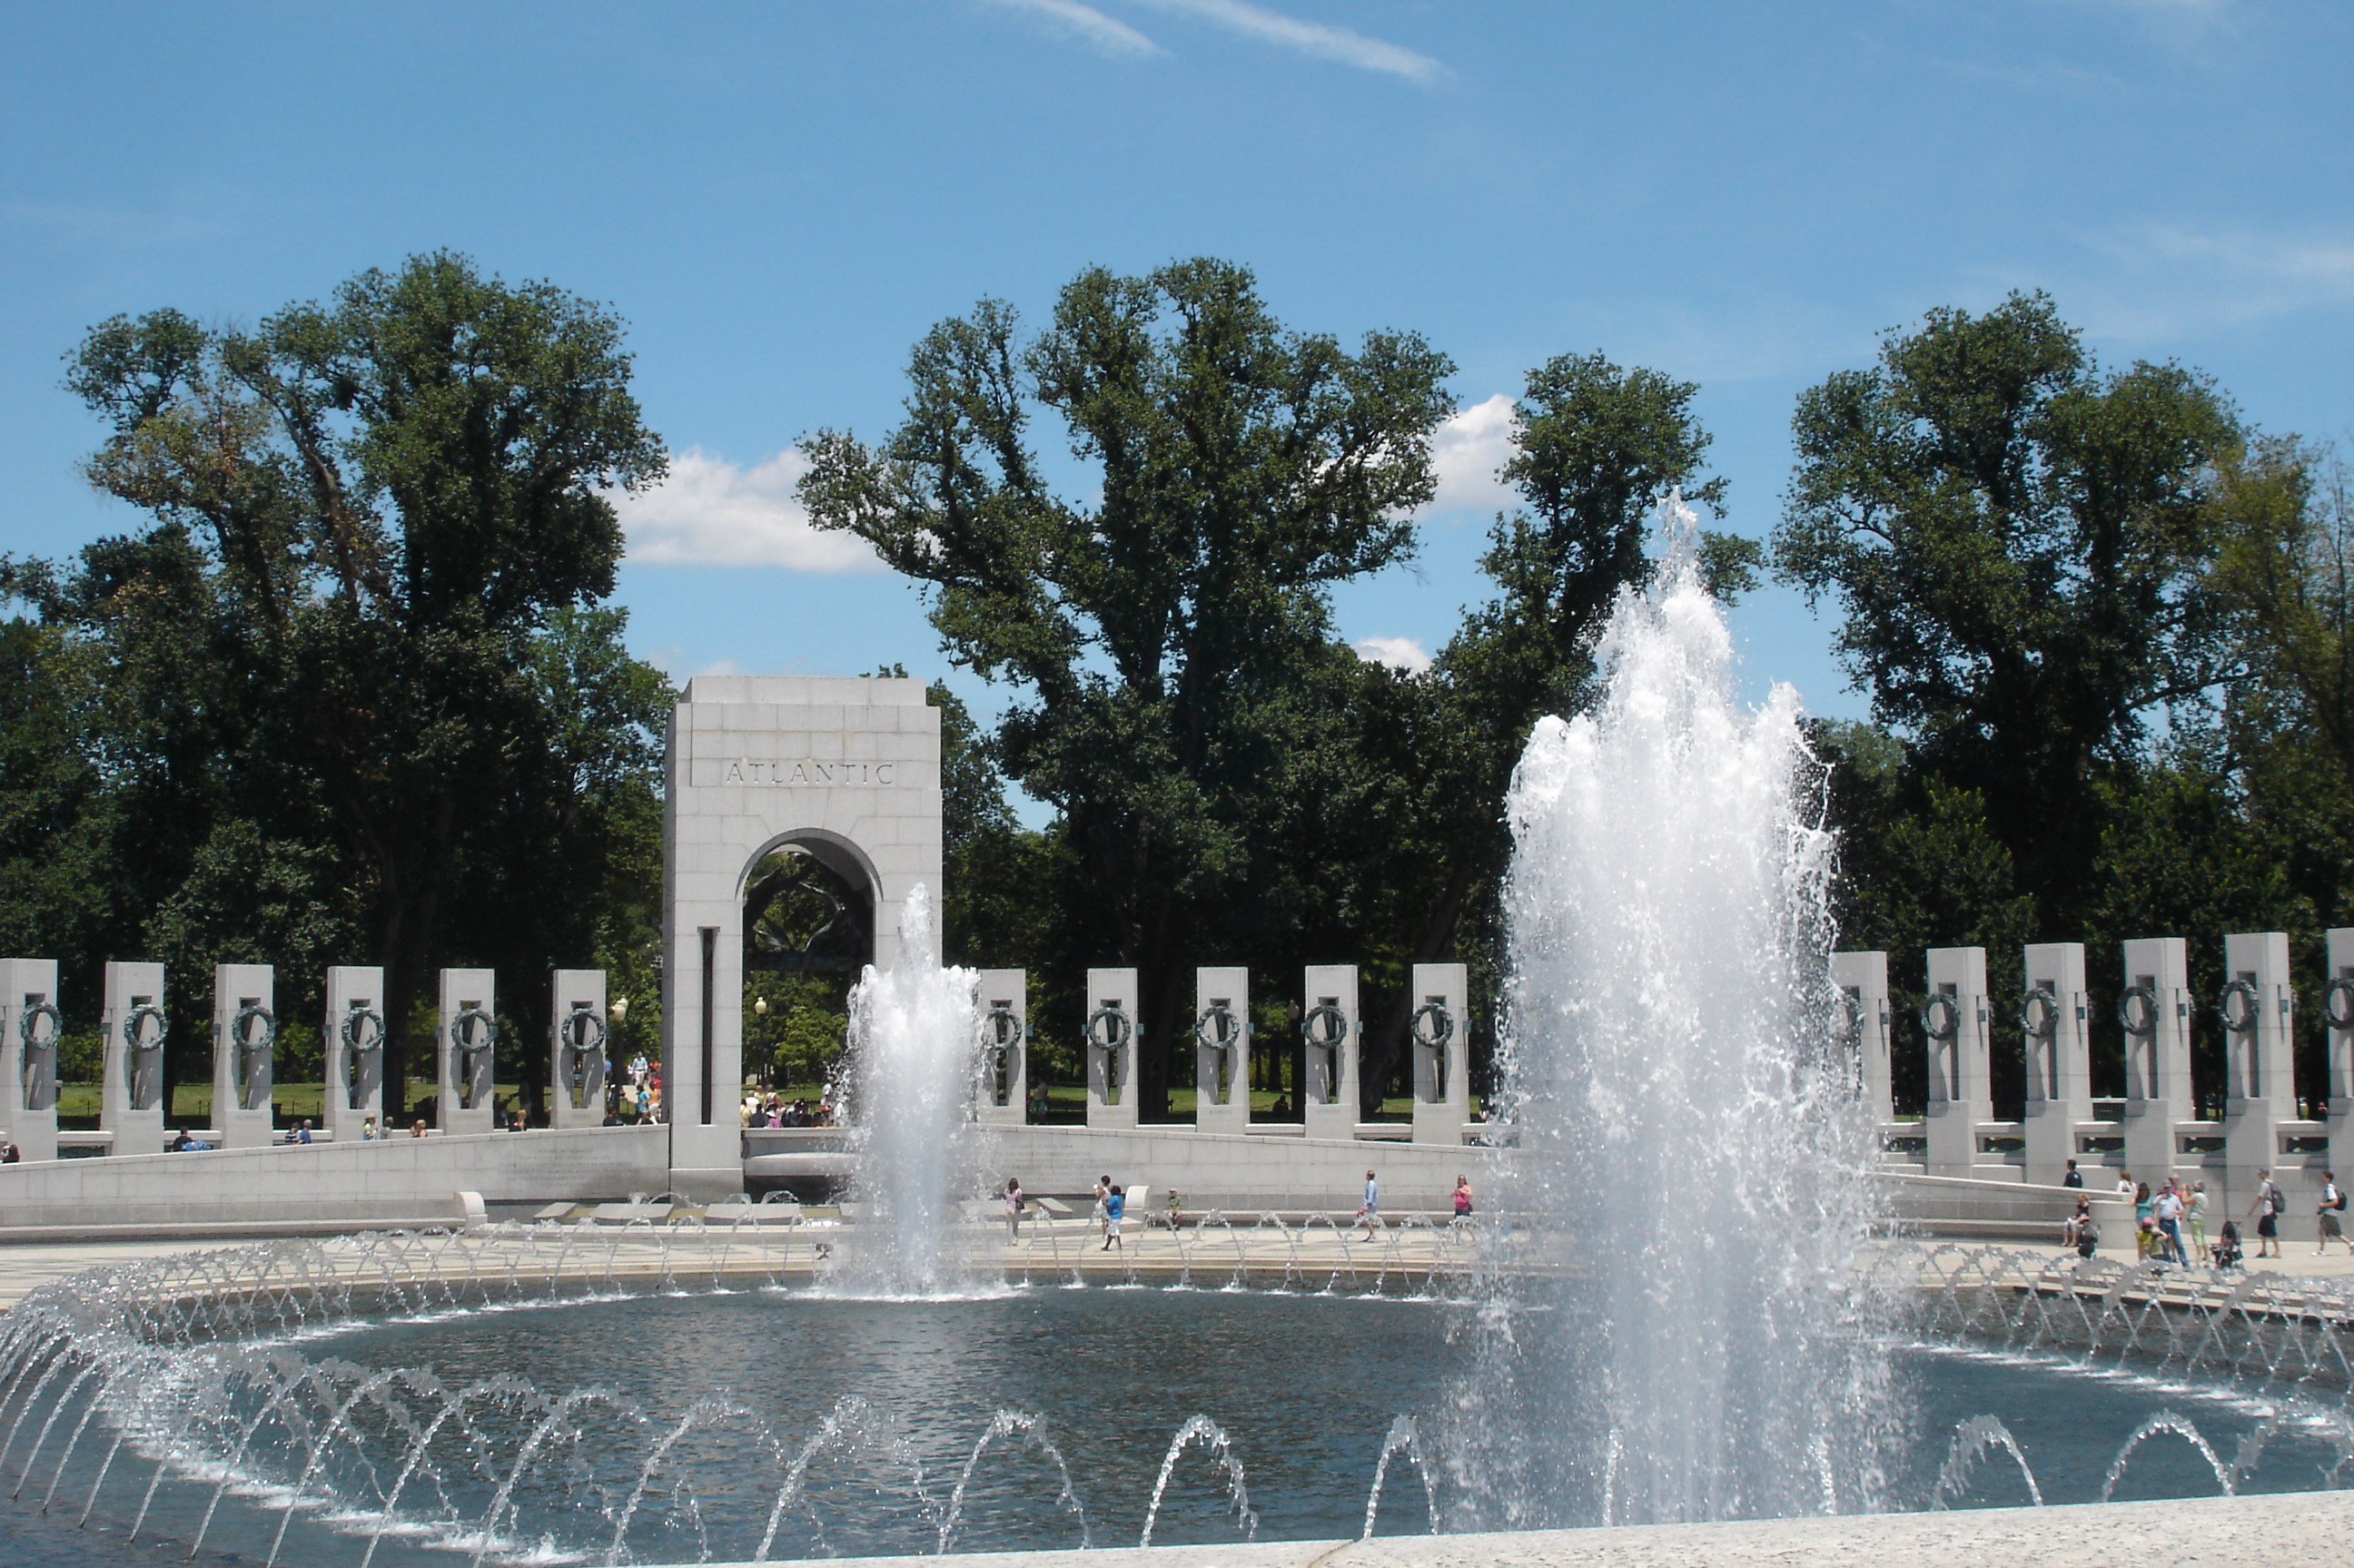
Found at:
<point>1110,1042</point>
<point>2056,1020</point>
<point>245,1028</point>
<point>577,1066</point>
<point>2336,1004</point>
<point>31,1023</point>
<point>1003,1091</point>
<point>464,1044</point>
<point>2258,1008</point>
<point>352,1034</point>
<point>2154,1012</point>
<point>1441,1030</point>
<point>1862,980</point>
<point>1332,1029</point>
<point>1961,1091</point>
<point>1222,1035</point>
<point>132,1032</point>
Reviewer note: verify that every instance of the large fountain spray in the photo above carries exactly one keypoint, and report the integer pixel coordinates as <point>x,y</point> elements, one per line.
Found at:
<point>1681,1338</point>
<point>914,1052</point>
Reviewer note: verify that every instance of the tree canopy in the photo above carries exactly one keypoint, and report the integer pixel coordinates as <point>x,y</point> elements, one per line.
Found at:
<point>1159,631</point>
<point>2021,544</point>
<point>2091,612</point>
<point>351,690</point>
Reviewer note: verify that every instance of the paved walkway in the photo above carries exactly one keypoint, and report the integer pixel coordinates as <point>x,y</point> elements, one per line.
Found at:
<point>2300,1528</point>
<point>27,1265</point>
<point>2297,1260</point>
<point>1318,1258</point>
<point>1315,1257</point>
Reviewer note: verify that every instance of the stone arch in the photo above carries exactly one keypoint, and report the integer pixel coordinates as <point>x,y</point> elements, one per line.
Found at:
<point>848,771</point>
<point>835,852</point>
<point>841,856</point>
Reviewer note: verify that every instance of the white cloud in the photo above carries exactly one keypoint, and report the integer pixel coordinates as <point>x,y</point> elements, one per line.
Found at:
<point>2169,278</point>
<point>1467,450</point>
<point>1313,38</point>
<point>1398,653</point>
<point>710,512</point>
<point>672,661</point>
<point>1088,25</point>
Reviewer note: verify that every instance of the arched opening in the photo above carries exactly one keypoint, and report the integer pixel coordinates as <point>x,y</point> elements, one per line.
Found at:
<point>809,903</point>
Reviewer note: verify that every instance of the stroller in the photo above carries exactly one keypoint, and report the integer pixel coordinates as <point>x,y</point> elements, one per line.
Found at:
<point>2227,1246</point>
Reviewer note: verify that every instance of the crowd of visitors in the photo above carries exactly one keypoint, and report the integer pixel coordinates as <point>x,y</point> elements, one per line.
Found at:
<point>2170,1220</point>
<point>772,1111</point>
<point>634,1096</point>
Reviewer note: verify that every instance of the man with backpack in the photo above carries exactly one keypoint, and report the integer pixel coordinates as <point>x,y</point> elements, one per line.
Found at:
<point>2333,1203</point>
<point>2267,1211</point>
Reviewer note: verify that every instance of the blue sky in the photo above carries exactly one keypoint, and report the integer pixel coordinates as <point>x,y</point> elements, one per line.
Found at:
<point>780,198</point>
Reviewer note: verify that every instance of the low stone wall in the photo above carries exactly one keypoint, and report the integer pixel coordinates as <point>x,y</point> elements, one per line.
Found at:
<point>331,1183</point>
<point>1237,1173</point>
<point>1969,1210</point>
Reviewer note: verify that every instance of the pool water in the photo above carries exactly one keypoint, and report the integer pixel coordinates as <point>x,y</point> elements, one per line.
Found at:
<point>672,1426</point>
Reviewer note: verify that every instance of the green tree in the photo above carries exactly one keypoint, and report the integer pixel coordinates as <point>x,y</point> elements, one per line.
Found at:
<point>1597,448</point>
<point>344,630</point>
<point>2286,742</point>
<point>2021,545</point>
<point>2285,579</point>
<point>1157,631</point>
<point>59,888</point>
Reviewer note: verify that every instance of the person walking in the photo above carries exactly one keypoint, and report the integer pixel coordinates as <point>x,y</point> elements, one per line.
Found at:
<point>2194,1216</point>
<point>1013,1208</point>
<point>1115,1205</point>
<point>1102,1192</point>
<point>1369,1211</point>
<point>2330,1228</point>
<point>1463,1197</point>
<point>2266,1211</point>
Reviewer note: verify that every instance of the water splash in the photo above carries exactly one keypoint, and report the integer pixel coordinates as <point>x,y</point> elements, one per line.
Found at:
<point>1404,1437</point>
<point>1692,1185</point>
<point>2182,1426</point>
<point>1213,1440</point>
<point>1031,1430</point>
<point>1972,1441</point>
<point>914,1061</point>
